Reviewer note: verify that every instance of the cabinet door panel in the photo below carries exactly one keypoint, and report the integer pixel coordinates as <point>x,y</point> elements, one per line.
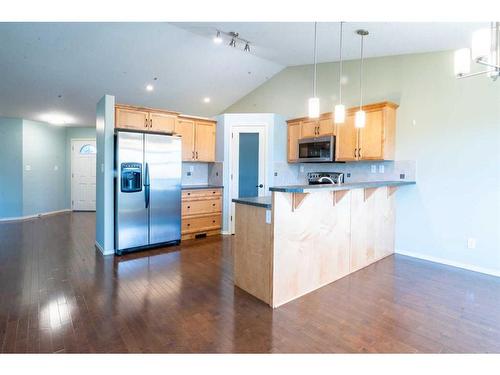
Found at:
<point>371,137</point>
<point>325,127</point>
<point>204,141</point>
<point>185,128</point>
<point>162,122</point>
<point>126,118</point>
<point>293,138</point>
<point>346,140</point>
<point>308,129</point>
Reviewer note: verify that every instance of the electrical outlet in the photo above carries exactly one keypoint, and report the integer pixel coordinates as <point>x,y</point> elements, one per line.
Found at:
<point>301,169</point>
<point>402,176</point>
<point>471,243</point>
<point>189,173</point>
<point>275,174</point>
<point>348,174</point>
<point>381,168</point>
<point>374,168</point>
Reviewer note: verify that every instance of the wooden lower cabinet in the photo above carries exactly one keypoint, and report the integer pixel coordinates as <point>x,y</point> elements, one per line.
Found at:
<point>201,213</point>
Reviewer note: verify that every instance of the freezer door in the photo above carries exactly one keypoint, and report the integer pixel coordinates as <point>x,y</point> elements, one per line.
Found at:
<point>163,161</point>
<point>131,214</point>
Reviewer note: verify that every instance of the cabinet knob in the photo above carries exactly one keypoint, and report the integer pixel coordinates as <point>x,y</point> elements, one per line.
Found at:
<point>213,221</point>
<point>213,204</point>
<point>189,206</point>
<point>189,224</point>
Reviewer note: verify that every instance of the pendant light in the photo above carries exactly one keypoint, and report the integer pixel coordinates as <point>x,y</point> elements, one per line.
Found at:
<point>360,119</point>
<point>339,110</point>
<point>314,101</point>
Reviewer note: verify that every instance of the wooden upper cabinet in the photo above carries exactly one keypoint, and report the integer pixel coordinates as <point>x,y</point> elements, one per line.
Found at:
<point>198,139</point>
<point>309,129</point>
<point>130,118</point>
<point>293,138</point>
<point>162,122</point>
<point>204,141</point>
<point>326,127</point>
<point>375,141</point>
<point>346,140</point>
<point>185,128</point>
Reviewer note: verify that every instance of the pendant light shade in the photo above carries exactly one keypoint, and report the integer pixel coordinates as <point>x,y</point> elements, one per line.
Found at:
<point>481,44</point>
<point>313,103</point>
<point>462,61</point>
<point>360,118</point>
<point>339,110</point>
<point>313,107</point>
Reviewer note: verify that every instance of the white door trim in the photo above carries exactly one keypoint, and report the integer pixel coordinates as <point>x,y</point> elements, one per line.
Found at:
<point>73,140</point>
<point>235,130</point>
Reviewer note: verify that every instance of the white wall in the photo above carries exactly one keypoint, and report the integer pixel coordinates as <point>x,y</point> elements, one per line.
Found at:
<point>450,127</point>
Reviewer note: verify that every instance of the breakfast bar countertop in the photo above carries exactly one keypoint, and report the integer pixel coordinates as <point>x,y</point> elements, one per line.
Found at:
<point>331,187</point>
<point>265,202</point>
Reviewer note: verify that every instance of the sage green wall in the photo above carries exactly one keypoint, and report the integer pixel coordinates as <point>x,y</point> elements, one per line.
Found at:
<point>450,127</point>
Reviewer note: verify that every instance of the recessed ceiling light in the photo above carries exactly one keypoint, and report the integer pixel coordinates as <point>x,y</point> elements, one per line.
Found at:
<point>206,100</point>
<point>56,118</point>
<point>218,38</point>
<point>149,88</point>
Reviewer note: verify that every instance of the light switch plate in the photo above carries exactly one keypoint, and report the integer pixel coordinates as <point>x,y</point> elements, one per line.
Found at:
<point>27,167</point>
<point>268,216</point>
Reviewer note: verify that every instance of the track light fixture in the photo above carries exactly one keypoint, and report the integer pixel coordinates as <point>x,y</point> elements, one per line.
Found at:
<point>235,39</point>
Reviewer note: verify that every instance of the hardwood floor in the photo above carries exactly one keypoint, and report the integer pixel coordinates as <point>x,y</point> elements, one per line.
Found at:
<point>58,294</point>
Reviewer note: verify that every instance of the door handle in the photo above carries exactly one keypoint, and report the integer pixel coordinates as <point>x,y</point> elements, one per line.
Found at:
<point>359,152</point>
<point>146,123</point>
<point>193,155</point>
<point>151,123</point>
<point>146,186</point>
<point>196,154</point>
<point>259,186</point>
<point>355,152</point>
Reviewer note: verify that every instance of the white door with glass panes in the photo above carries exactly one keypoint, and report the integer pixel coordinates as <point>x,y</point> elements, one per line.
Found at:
<point>83,174</point>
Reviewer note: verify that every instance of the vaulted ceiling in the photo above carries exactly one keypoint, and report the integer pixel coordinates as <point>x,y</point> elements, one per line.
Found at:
<point>66,67</point>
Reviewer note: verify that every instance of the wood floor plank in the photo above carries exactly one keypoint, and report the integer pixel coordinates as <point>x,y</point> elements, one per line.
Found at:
<point>59,295</point>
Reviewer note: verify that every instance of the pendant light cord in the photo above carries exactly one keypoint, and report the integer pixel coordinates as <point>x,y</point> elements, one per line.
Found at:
<point>315,43</point>
<point>361,76</point>
<point>340,64</point>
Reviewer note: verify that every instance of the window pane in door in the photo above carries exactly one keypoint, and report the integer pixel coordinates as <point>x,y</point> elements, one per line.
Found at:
<point>248,165</point>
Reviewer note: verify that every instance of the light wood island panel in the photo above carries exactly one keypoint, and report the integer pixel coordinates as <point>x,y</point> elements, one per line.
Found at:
<point>313,239</point>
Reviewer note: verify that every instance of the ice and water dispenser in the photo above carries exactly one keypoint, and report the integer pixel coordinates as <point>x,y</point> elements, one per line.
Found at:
<point>131,180</point>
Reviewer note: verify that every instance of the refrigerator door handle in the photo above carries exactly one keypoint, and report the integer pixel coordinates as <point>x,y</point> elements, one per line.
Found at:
<point>146,185</point>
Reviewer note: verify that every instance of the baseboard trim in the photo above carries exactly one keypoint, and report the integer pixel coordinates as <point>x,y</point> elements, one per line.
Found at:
<point>36,216</point>
<point>99,247</point>
<point>469,267</point>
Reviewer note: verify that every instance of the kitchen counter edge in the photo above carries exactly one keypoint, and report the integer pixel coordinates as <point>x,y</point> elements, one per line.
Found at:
<point>201,187</point>
<point>345,186</point>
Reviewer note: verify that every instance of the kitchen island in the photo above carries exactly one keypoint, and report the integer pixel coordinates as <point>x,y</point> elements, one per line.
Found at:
<point>307,236</point>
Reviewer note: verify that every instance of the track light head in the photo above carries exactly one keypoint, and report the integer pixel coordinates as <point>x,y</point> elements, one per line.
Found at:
<point>232,43</point>
<point>247,47</point>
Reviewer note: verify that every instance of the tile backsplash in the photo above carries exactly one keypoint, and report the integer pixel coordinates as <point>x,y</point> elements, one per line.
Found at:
<point>194,173</point>
<point>296,174</point>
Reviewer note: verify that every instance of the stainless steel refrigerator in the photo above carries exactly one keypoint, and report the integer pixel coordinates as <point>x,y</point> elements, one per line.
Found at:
<point>147,190</point>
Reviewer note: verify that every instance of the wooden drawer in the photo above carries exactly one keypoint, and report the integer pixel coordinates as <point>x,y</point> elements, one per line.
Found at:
<point>197,207</point>
<point>201,193</point>
<point>200,224</point>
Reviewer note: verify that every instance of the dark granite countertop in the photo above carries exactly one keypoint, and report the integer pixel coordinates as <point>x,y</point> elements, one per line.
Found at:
<point>345,186</point>
<point>197,187</point>
<point>265,202</point>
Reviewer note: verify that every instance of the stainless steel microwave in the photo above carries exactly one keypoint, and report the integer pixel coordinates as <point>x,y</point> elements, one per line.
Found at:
<point>317,150</point>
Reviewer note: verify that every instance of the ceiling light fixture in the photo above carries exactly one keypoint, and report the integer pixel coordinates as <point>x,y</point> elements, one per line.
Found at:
<point>360,119</point>
<point>485,50</point>
<point>339,110</point>
<point>56,118</point>
<point>234,38</point>
<point>149,88</point>
<point>218,38</point>
<point>206,99</point>
<point>314,101</point>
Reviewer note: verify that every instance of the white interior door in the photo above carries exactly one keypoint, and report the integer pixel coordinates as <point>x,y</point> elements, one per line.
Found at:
<point>83,174</point>
<point>248,164</point>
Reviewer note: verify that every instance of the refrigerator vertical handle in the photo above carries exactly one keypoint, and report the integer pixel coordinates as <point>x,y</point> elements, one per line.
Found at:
<point>146,185</point>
